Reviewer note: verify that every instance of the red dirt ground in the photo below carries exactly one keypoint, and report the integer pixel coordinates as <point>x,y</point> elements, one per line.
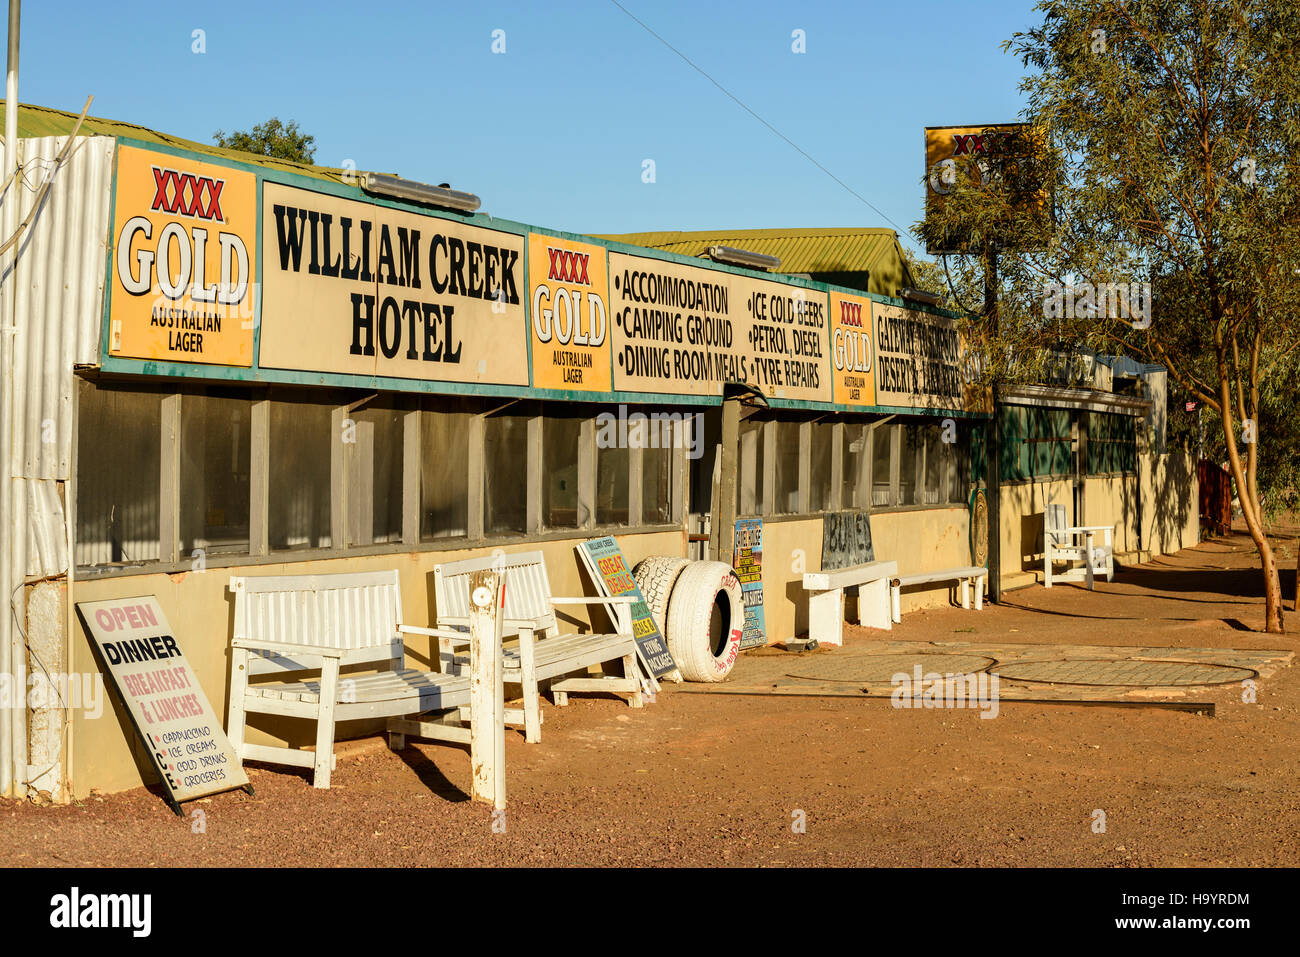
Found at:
<point>712,779</point>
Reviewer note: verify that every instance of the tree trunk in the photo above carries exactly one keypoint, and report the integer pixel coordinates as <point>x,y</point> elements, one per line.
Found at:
<point>1251,511</point>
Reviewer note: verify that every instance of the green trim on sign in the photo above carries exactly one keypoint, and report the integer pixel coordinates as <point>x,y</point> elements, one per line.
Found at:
<point>257,374</point>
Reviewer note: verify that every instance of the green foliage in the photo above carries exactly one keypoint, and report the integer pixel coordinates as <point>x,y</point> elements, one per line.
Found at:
<point>272,138</point>
<point>1174,137</point>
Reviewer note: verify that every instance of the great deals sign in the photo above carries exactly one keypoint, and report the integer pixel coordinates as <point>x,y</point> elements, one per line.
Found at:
<point>184,253</point>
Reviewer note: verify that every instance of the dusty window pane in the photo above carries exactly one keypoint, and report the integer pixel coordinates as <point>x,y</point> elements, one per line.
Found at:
<point>656,486</point>
<point>444,472</point>
<point>787,467</point>
<point>881,488</point>
<point>119,452</point>
<point>560,471</point>
<point>854,466</point>
<point>937,466</point>
<point>505,473</point>
<point>910,452</point>
<point>819,470</point>
<point>612,466</point>
<point>214,490</point>
<point>373,453</point>
<point>749,486</point>
<point>300,475</point>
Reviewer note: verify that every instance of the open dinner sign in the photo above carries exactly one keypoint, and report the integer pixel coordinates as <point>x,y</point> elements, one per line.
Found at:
<point>188,747</point>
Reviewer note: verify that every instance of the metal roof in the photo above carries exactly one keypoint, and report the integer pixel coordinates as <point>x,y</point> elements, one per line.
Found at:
<point>38,121</point>
<point>864,257</point>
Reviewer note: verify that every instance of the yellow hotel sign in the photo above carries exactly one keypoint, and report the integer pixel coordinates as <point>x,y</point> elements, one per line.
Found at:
<point>184,260</point>
<point>362,289</point>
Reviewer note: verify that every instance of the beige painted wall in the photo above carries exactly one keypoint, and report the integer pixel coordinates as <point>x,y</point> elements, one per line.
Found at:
<point>1164,519</point>
<point>105,752</point>
<point>931,538</point>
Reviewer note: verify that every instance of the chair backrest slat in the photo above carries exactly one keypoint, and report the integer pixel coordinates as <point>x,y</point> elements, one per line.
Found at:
<point>528,589</point>
<point>357,612</point>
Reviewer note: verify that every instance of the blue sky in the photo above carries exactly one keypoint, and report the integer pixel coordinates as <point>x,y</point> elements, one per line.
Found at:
<point>554,132</point>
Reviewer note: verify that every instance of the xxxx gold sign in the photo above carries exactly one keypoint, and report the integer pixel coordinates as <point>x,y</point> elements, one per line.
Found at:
<point>357,288</point>
<point>852,350</point>
<point>570,325</point>
<point>184,258</point>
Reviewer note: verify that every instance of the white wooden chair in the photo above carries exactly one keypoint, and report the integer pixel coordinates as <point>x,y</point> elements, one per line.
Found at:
<point>1075,543</point>
<point>542,653</point>
<point>296,623</point>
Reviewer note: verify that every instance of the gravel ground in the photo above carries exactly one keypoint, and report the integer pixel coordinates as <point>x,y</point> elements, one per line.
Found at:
<point>712,779</point>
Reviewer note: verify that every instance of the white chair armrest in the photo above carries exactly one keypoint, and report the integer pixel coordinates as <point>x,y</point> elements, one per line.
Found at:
<point>597,600</point>
<point>286,648</point>
<point>449,633</point>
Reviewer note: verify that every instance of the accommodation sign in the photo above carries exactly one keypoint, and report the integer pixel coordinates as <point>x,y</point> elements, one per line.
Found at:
<point>687,330</point>
<point>184,260</point>
<point>918,356</point>
<point>363,289</point>
<point>154,679</point>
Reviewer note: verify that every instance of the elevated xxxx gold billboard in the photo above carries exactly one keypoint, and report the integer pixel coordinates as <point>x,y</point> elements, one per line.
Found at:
<point>569,324</point>
<point>184,256</point>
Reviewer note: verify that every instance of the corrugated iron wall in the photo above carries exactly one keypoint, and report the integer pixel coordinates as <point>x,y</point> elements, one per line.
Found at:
<point>58,285</point>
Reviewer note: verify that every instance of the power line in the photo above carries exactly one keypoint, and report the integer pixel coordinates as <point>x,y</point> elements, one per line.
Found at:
<point>806,155</point>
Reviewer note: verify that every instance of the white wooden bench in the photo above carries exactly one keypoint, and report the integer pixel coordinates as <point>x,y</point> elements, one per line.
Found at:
<point>542,653</point>
<point>1072,543</point>
<point>297,623</point>
<point>963,576</point>
<point>826,603</point>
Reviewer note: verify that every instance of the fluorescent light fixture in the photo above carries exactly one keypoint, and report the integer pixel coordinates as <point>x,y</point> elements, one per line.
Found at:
<point>920,295</point>
<point>408,189</point>
<point>743,257</point>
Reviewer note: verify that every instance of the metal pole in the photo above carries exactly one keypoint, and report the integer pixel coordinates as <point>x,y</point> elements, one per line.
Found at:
<point>993,457</point>
<point>13,721</point>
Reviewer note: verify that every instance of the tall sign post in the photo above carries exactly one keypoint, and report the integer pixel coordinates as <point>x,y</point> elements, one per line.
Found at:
<point>487,731</point>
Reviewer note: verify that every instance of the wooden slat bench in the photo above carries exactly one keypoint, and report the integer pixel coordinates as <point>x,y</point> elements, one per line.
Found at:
<point>296,623</point>
<point>963,576</point>
<point>826,604</point>
<point>542,653</point>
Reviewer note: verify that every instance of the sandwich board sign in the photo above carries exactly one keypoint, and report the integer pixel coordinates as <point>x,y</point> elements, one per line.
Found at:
<point>608,568</point>
<point>748,563</point>
<point>170,712</point>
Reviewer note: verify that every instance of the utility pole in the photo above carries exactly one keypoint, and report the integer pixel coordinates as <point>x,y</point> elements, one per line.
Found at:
<point>992,456</point>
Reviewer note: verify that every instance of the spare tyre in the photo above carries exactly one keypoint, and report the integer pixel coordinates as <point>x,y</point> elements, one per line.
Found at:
<point>706,617</point>
<point>655,576</point>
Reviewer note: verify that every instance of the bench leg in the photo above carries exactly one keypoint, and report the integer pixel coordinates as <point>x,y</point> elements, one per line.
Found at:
<point>895,602</point>
<point>873,605</point>
<point>826,617</point>
<point>238,688</point>
<point>528,683</point>
<point>329,679</point>
<point>1047,566</point>
<point>965,593</point>
<point>629,672</point>
<point>979,593</point>
<point>396,741</point>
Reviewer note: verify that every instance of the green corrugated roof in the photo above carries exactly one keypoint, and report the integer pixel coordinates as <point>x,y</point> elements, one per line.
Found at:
<point>860,256</point>
<point>34,121</point>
